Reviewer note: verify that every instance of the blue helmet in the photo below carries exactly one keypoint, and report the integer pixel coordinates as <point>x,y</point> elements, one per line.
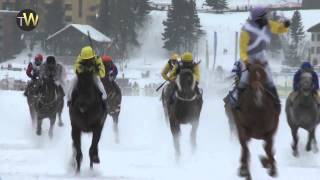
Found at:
<point>306,65</point>
<point>258,12</point>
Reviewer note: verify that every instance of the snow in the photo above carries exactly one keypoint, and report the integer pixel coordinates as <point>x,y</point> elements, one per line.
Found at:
<point>146,149</point>
<point>83,28</point>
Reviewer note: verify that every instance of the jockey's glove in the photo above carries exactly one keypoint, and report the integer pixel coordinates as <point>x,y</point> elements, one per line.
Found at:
<point>287,23</point>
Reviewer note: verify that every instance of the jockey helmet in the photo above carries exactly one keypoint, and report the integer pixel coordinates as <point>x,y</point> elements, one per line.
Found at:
<point>106,58</point>
<point>306,65</point>
<point>258,13</point>
<point>87,53</point>
<point>38,59</point>
<point>174,57</point>
<point>51,60</point>
<point>187,57</point>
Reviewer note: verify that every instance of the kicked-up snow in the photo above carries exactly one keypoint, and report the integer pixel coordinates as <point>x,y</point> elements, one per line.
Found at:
<point>145,150</point>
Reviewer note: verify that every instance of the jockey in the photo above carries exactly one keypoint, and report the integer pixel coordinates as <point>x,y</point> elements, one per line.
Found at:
<point>173,61</point>
<point>33,69</point>
<point>52,68</point>
<point>254,38</point>
<point>111,68</point>
<point>88,54</point>
<point>306,67</point>
<point>187,62</point>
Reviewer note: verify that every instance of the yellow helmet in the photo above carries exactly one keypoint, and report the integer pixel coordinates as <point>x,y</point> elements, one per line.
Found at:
<point>187,57</point>
<point>87,53</point>
<point>175,56</point>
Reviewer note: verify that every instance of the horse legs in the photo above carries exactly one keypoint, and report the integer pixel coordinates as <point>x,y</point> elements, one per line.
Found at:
<point>244,168</point>
<point>52,122</point>
<point>193,135</point>
<point>294,132</point>
<point>175,130</point>
<point>269,161</point>
<point>60,123</point>
<point>93,152</point>
<point>76,138</point>
<point>311,140</point>
<point>39,123</point>
<point>115,118</point>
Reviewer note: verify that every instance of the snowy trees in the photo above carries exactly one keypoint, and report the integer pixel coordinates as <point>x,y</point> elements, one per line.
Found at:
<point>217,4</point>
<point>295,51</point>
<point>119,19</point>
<point>182,27</point>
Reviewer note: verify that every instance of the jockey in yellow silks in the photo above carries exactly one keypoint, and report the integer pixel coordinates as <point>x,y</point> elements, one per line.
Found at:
<point>254,38</point>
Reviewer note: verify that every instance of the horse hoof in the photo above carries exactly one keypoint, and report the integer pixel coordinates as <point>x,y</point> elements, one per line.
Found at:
<point>308,148</point>
<point>38,132</point>
<point>273,172</point>
<point>295,153</point>
<point>244,172</point>
<point>265,162</point>
<point>60,124</point>
<point>95,159</point>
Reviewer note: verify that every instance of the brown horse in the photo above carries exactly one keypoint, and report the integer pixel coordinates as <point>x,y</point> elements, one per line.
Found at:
<point>257,118</point>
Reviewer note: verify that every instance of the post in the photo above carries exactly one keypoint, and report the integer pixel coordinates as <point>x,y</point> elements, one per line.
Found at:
<point>215,44</point>
<point>236,47</point>
<point>207,55</point>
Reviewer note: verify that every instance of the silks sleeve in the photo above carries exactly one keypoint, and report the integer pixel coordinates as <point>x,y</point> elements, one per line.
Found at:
<point>173,73</point>
<point>101,69</point>
<point>77,65</point>
<point>244,44</point>
<point>277,27</point>
<point>165,72</point>
<point>196,72</point>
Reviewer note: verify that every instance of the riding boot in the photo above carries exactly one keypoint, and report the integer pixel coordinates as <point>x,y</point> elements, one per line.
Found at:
<point>274,93</point>
<point>234,97</point>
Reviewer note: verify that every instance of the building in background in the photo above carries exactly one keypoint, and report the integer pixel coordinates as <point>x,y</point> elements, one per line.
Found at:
<point>81,11</point>
<point>315,44</point>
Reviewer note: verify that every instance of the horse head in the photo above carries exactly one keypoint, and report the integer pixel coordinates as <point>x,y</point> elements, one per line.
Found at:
<point>306,84</point>
<point>186,84</point>
<point>257,80</point>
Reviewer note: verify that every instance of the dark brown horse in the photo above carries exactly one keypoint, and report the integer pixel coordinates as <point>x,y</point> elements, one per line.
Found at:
<point>113,103</point>
<point>257,118</point>
<point>32,94</point>
<point>185,109</point>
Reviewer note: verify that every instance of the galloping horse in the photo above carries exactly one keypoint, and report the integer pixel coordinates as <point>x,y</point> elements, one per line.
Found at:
<point>185,108</point>
<point>47,103</point>
<point>257,118</point>
<point>87,114</point>
<point>302,111</point>
<point>113,103</point>
<point>32,96</point>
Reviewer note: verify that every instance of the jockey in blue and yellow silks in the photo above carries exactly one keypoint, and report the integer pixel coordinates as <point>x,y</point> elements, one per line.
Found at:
<point>254,38</point>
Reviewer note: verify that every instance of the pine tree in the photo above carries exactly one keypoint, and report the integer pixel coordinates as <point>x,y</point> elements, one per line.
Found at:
<point>217,4</point>
<point>120,20</point>
<point>296,29</point>
<point>182,27</point>
<point>54,17</point>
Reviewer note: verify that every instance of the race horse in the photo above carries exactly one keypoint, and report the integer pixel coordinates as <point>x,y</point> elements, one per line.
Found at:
<point>87,114</point>
<point>184,108</point>
<point>165,98</point>
<point>257,118</point>
<point>302,110</point>
<point>47,103</point>
<point>113,103</point>
<point>32,96</point>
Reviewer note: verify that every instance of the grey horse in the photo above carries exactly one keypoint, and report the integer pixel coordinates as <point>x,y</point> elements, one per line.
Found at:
<point>302,110</point>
